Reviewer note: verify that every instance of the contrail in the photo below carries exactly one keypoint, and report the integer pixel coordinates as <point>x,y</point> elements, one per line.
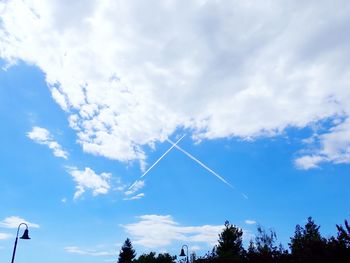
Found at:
<point>160,158</point>
<point>204,166</point>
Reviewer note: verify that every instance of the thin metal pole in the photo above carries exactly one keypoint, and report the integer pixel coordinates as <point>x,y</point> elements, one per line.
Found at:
<point>186,253</point>
<point>14,250</point>
<point>15,246</point>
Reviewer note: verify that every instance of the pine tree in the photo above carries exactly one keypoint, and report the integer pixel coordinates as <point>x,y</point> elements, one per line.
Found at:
<point>308,245</point>
<point>127,253</point>
<point>230,243</point>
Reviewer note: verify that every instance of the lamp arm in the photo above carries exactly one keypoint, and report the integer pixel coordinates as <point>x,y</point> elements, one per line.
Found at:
<point>19,226</point>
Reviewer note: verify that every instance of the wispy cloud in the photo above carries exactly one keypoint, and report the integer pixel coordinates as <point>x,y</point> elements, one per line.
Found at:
<point>158,231</point>
<point>14,221</point>
<point>43,136</point>
<point>136,186</point>
<point>87,179</point>
<point>135,197</point>
<point>308,161</point>
<point>250,222</point>
<point>89,252</point>
<point>4,236</point>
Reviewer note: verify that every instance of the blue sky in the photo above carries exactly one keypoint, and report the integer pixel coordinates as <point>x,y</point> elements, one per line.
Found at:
<point>87,107</point>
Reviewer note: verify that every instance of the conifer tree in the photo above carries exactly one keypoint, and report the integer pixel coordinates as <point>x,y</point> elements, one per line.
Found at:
<point>308,245</point>
<point>127,253</point>
<point>230,243</point>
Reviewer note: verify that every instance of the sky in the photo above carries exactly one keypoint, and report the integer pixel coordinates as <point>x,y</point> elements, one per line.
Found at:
<point>160,120</point>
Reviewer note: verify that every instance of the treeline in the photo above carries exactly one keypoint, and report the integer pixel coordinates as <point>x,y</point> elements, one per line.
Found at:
<point>306,246</point>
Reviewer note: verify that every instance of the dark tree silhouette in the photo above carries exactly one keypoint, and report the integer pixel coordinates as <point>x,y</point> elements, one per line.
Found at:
<point>147,258</point>
<point>339,248</point>
<point>166,258</point>
<point>265,241</point>
<point>151,258</point>
<point>344,234</point>
<point>264,250</point>
<point>230,246</point>
<point>127,253</point>
<point>308,245</point>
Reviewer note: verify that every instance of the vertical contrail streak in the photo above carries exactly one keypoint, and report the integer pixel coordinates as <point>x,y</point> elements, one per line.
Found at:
<point>160,158</point>
<point>204,166</point>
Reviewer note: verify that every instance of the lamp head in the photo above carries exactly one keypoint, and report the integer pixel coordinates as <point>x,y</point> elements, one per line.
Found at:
<point>25,235</point>
<point>182,253</point>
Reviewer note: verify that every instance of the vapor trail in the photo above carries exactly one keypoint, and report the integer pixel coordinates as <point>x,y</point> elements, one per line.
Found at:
<point>160,158</point>
<point>204,166</point>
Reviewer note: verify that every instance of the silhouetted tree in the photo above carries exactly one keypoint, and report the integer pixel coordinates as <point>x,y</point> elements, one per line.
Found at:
<point>166,258</point>
<point>344,234</point>
<point>127,253</point>
<point>230,244</point>
<point>146,258</point>
<point>339,248</point>
<point>252,254</point>
<point>151,258</point>
<point>210,256</point>
<point>265,241</point>
<point>307,245</point>
<point>264,250</point>
<point>265,245</point>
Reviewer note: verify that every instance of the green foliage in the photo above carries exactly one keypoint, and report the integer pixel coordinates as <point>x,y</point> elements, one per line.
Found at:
<point>127,253</point>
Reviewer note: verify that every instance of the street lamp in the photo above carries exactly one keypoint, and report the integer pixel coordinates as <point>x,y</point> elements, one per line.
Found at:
<point>182,253</point>
<point>24,236</point>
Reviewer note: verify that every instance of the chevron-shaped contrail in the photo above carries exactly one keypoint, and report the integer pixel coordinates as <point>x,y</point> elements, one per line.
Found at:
<point>204,166</point>
<point>160,158</point>
<point>175,145</point>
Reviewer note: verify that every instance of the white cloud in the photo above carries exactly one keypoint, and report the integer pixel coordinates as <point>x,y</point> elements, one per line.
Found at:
<point>250,222</point>
<point>14,221</point>
<point>135,197</point>
<point>43,136</point>
<point>218,68</point>
<point>89,252</point>
<point>334,147</point>
<point>4,236</point>
<point>154,231</point>
<point>88,180</point>
<point>139,184</point>
<point>308,161</point>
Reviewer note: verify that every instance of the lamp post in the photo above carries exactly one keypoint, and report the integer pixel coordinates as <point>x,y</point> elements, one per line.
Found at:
<point>182,253</point>
<point>24,236</point>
